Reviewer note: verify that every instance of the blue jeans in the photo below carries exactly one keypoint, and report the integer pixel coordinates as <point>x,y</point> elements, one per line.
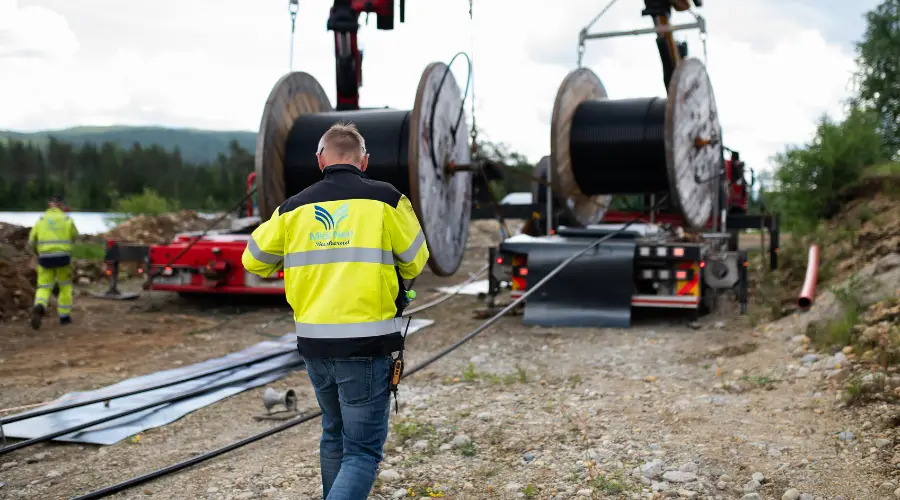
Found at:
<point>354,395</point>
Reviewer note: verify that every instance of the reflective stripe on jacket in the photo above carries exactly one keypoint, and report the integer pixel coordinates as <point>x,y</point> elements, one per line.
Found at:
<point>53,234</point>
<point>338,242</point>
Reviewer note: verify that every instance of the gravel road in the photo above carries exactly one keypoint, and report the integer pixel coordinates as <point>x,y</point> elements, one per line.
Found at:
<point>665,409</point>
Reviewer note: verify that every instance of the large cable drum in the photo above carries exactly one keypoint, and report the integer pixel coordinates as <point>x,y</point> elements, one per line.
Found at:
<point>602,147</point>
<point>408,148</point>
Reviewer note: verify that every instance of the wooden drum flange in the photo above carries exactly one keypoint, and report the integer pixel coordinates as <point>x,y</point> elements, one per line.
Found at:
<point>403,144</point>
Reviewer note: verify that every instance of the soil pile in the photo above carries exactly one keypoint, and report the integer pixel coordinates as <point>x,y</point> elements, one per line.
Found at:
<point>17,272</point>
<point>157,229</point>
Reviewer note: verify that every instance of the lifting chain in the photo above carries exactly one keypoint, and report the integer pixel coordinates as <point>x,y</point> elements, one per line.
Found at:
<point>293,7</point>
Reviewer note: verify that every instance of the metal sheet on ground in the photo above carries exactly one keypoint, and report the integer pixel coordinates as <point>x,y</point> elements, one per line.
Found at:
<point>473,288</point>
<point>593,291</point>
<point>116,430</point>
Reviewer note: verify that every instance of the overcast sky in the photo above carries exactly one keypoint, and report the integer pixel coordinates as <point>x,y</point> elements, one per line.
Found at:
<point>775,65</point>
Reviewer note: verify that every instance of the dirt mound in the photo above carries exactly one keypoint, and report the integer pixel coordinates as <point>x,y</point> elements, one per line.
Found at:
<point>157,229</point>
<point>485,233</point>
<point>17,272</point>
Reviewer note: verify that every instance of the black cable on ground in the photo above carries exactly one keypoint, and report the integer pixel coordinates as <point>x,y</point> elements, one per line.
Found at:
<point>174,399</point>
<point>38,413</point>
<point>130,483</point>
<point>448,295</point>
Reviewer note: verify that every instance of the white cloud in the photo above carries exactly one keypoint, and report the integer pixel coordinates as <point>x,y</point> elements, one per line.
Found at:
<point>211,64</point>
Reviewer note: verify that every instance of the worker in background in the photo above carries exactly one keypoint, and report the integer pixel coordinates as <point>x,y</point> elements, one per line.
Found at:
<point>345,244</point>
<point>52,238</point>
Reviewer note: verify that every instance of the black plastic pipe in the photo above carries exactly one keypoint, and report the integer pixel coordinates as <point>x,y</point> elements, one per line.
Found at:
<point>47,411</point>
<point>173,399</point>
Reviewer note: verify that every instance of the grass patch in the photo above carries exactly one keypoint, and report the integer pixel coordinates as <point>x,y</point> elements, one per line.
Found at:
<point>838,332</point>
<point>408,429</point>
<point>470,375</point>
<point>425,490</point>
<point>890,168</point>
<point>530,491</point>
<point>760,381</point>
<point>88,251</point>
<point>469,449</point>
<point>607,485</point>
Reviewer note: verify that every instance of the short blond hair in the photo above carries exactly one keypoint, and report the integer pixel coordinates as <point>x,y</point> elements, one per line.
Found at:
<point>343,140</point>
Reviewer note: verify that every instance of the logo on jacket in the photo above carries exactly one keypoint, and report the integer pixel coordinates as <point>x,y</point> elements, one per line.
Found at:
<point>330,222</point>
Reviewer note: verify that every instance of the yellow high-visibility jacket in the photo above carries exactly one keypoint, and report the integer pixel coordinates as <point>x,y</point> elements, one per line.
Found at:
<point>338,242</point>
<point>53,236</point>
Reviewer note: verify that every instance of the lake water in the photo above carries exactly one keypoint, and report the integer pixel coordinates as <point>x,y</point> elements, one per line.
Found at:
<point>86,222</point>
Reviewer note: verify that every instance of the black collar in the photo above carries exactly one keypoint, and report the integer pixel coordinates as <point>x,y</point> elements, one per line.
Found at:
<point>340,167</point>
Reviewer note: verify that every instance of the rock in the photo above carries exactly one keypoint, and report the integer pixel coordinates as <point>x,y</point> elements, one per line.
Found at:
<point>846,436</point>
<point>54,474</point>
<point>866,425</point>
<point>446,447</point>
<point>791,494</point>
<point>652,469</point>
<point>883,443</point>
<point>584,493</point>
<point>468,486</point>
<point>460,440</point>
<point>389,475</point>
<point>676,476</point>
<point>722,485</point>
<point>399,493</point>
<point>245,495</point>
<point>887,488</point>
<point>528,457</point>
<point>37,457</point>
<point>212,489</point>
<point>659,486</point>
<point>810,358</point>
<point>484,416</point>
<point>896,493</point>
<point>8,465</point>
<point>689,467</point>
<point>751,486</point>
<point>802,372</point>
<point>759,477</point>
<point>421,445</point>
<point>687,494</point>
<point>806,496</point>
<point>513,487</point>
<point>751,496</point>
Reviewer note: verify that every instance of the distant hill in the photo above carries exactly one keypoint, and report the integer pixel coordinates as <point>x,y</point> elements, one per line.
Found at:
<point>196,145</point>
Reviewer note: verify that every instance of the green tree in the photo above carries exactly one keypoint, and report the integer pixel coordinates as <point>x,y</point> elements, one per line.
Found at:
<point>810,176</point>
<point>878,78</point>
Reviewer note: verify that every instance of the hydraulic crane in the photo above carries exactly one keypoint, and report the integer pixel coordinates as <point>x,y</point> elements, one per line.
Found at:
<point>344,22</point>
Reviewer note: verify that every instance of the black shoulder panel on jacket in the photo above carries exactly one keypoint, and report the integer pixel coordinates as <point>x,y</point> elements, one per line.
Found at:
<point>343,185</point>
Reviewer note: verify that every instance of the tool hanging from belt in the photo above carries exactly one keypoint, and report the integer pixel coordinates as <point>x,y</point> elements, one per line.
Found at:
<point>404,298</point>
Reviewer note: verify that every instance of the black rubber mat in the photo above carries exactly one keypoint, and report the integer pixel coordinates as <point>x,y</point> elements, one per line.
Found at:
<point>593,291</point>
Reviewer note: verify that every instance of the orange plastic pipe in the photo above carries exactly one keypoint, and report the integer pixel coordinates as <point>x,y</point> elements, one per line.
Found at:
<point>808,292</point>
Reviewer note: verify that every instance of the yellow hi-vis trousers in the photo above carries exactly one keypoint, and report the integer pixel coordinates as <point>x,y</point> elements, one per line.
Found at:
<point>46,278</point>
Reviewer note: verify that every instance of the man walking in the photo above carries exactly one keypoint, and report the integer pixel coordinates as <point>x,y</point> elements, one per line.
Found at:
<point>51,238</point>
<point>345,243</point>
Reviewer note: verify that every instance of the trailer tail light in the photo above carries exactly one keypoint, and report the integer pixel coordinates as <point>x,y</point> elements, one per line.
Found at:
<point>499,261</point>
<point>167,271</point>
<point>678,252</point>
<point>518,284</point>
<point>523,271</point>
<point>702,264</point>
<point>681,275</point>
